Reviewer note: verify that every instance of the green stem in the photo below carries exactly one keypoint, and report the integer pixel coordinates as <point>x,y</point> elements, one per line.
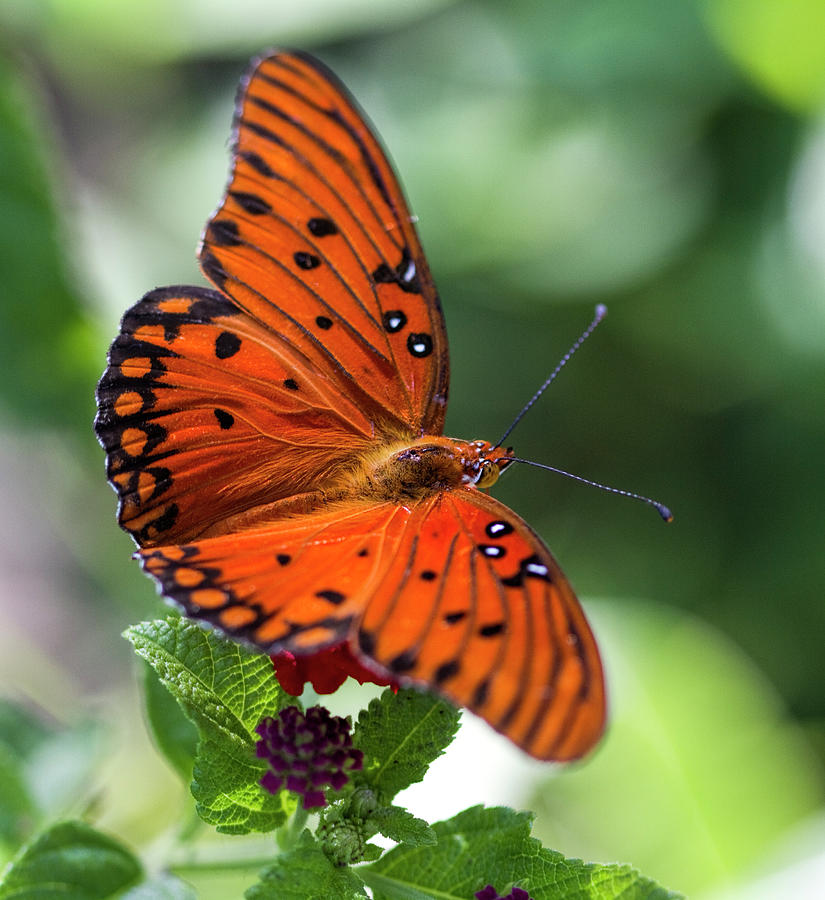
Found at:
<point>287,836</point>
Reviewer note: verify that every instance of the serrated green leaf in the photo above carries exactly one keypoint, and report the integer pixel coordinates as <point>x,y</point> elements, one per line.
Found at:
<point>401,734</point>
<point>402,826</point>
<point>225,786</point>
<point>223,687</point>
<point>71,859</point>
<point>225,690</point>
<point>305,873</point>
<point>163,887</point>
<point>493,846</point>
<point>175,736</point>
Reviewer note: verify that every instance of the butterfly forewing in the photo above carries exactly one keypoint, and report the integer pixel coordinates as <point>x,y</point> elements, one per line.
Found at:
<point>204,415</point>
<point>315,240</point>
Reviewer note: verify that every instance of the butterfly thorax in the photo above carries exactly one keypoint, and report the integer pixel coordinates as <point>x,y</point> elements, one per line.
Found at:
<point>408,471</point>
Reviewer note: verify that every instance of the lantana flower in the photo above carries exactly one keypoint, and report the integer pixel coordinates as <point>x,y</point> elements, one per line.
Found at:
<point>306,752</point>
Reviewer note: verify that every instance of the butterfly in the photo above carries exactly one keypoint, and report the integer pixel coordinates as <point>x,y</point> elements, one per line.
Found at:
<point>277,442</point>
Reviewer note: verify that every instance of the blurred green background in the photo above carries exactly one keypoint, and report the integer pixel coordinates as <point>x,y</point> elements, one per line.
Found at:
<point>666,158</point>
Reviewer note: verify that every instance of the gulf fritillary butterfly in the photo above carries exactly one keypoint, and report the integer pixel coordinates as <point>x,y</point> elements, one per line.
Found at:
<point>277,448</point>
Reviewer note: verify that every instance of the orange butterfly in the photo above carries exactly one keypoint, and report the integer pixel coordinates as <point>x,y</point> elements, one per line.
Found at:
<point>277,444</point>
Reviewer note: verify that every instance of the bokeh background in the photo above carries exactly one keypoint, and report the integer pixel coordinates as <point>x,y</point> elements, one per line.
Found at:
<point>666,158</point>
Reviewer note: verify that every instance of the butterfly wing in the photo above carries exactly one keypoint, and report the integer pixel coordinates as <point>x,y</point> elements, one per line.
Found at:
<point>455,593</point>
<point>475,607</point>
<point>205,415</point>
<point>327,334</point>
<point>298,584</point>
<point>314,240</point>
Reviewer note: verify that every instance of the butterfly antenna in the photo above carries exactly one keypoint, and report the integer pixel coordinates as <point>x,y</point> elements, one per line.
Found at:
<point>601,312</point>
<point>660,508</point>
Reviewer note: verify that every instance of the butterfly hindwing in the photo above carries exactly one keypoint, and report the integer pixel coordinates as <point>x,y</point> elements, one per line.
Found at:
<point>454,593</point>
<point>475,607</point>
<point>296,584</point>
<point>314,239</point>
<point>205,415</point>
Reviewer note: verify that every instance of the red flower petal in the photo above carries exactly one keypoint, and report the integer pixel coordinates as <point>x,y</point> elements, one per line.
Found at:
<point>326,670</point>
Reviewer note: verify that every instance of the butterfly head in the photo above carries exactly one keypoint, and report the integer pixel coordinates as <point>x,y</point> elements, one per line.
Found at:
<point>483,462</point>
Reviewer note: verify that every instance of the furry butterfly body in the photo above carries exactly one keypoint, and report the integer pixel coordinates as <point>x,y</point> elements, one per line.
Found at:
<point>277,448</point>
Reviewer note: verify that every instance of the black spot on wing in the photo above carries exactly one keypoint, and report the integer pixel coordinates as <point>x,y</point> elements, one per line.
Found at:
<point>251,203</point>
<point>306,260</point>
<point>255,161</point>
<point>394,320</point>
<point>420,344</point>
<point>321,227</point>
<point>498,528</point>
<point>403,662</point>
<point>225,420</point>
<point>224,232</point>
<point>227,344</point>
<point>446,670</point>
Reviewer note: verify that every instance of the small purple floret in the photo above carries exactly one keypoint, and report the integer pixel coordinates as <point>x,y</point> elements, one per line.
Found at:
<point>306,751</point>
<point>490,893</point>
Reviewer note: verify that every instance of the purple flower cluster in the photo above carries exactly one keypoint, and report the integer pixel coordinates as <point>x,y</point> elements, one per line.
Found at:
<point>490,893</point>
<point>306,751</point>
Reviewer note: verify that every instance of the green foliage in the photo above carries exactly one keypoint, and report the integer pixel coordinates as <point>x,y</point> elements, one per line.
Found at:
<point>48,372</point>
<point>305,873</point>
<point>403,827</point>
<point>16,805</point>
<point>493,846</point>
<point>225,690</point>
<point>70,859</point>
<point>175,735</point>
<point>401,734</point>
<point>43,769</point>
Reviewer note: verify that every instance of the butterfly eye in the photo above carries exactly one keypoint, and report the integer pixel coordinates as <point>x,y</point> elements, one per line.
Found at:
<point>489,474</point>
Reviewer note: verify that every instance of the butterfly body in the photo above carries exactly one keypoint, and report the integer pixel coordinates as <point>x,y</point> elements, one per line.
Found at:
<point>277,443</point>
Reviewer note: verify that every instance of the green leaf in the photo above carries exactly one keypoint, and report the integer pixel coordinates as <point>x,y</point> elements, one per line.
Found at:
<point>225,690</point>
<point>43,769</point>
<point>305,873</point>
<point>70,860</point>
<point>402,826</point>
<point>225,786</point>
<point>41,316</point>
<point>174,734</point>
<point>781,46</point>
<point>493,846</point>
<point>401,734</point>
<point>20,730</point>
<point>16,807</point>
